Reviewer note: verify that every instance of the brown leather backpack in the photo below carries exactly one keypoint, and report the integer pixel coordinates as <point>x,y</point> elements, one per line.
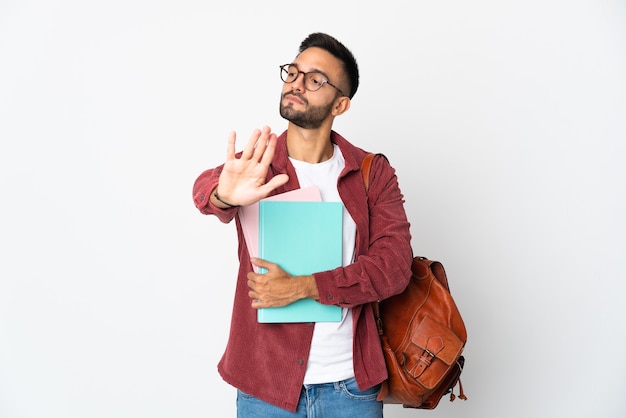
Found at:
<point>422,335</point>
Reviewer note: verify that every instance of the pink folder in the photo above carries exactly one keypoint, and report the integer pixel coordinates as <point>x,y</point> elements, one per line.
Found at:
<point>249,215</point>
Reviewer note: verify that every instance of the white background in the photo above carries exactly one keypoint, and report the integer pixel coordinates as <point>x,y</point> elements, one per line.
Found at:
<point>506,121</point>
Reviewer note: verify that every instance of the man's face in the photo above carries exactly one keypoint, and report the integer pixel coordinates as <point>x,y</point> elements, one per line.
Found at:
<point>309,109</point>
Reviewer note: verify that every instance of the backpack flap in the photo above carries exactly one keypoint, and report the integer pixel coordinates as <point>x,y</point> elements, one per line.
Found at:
<point>433,349</point>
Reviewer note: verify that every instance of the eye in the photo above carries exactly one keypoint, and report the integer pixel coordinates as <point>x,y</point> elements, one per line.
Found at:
<point>289,74</point>
<point>316,79</point>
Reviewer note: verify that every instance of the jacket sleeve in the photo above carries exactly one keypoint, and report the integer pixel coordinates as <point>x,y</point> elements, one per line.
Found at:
<point>383,261</point>
<point>202,189</point>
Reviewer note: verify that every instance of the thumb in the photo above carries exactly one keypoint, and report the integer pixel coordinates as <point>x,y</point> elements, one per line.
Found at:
<point>276,181</point>
<point>259,262</point>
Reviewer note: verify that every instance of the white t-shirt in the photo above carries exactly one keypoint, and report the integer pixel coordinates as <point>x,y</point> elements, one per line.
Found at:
<point>330,359</point>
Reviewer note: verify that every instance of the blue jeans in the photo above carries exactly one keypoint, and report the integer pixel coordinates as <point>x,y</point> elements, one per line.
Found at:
<point>329,400</point>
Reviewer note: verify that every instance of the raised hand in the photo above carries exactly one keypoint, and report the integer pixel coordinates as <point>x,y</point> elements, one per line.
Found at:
<point>242,180</point>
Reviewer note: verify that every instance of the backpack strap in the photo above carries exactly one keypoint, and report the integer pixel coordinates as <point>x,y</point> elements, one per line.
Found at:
<point>366,166</point>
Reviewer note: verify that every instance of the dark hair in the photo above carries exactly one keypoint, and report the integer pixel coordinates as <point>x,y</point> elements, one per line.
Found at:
<point>337,49</point>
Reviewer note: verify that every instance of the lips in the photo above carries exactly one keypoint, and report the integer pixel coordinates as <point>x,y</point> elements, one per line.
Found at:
<point>294,98</point>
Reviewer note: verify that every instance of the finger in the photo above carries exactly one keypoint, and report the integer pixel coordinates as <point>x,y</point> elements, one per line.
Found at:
<point>248,150</point>
<point>255,301</point>
<point>268,149</point>
<point>262,142</point>
<point>259,262</point>
<point>275,182</point>
<point>230,147</point>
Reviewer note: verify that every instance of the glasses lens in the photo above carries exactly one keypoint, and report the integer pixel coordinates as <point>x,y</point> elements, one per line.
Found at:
<point>288,73</point>
<point>314,81</point>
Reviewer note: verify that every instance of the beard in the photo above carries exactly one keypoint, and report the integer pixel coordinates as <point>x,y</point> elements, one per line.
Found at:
<point>311,118</point>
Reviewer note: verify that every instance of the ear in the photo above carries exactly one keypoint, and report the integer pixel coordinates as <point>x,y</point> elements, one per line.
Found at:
<point>341,105</point>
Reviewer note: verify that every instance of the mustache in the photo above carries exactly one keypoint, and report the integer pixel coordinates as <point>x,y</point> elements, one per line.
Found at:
<point>298,95</point>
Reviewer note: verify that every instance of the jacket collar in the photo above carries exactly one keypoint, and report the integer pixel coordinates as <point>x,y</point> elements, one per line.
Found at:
<point>351,154</point>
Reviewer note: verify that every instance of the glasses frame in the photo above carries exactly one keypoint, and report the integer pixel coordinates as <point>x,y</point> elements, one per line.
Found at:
<point>324,80</point>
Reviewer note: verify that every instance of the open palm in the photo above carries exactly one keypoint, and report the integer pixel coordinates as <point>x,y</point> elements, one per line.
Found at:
<point>242,180</point>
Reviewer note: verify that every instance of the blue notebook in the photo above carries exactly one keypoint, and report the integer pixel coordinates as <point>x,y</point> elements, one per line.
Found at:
<point>302,238</point>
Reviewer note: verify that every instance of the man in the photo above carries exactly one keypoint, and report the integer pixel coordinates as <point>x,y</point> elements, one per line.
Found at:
<point>329,369</point>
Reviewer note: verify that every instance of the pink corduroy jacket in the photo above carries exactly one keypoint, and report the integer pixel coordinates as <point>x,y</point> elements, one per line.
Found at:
<point>268,361</point>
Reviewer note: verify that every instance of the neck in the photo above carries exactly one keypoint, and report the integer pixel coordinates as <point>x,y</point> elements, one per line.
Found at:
<point>309,145</point>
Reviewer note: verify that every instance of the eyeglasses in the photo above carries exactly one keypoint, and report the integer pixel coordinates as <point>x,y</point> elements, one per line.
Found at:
<point>313,81</point>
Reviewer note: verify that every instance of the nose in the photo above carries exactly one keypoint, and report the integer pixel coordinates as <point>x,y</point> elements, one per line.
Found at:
<point>298,83</point>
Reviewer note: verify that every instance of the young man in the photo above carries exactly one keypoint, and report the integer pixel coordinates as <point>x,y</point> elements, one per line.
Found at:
<point>329,369</point>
